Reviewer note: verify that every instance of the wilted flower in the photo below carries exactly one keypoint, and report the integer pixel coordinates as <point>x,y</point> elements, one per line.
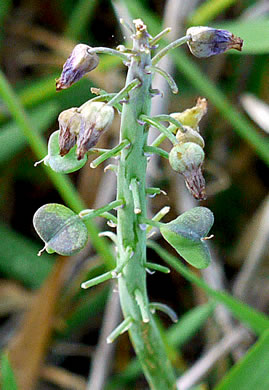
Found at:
<point>192,116</point>
<point>207,41</point>
<point>83,126</point>
<point>187,159</point>
<point>96,118</point>
<point>69,124</point>
<point>76,66</point>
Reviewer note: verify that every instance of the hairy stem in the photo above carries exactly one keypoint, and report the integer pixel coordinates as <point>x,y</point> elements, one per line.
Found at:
<point>132,170</point>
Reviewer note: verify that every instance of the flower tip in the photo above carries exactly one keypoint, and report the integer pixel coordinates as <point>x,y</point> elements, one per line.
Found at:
<point>236,43</point>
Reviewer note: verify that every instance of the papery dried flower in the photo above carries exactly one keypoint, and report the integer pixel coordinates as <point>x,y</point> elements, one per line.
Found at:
<point>96,118</point>
<point>187,159</point>
<point>76,66</point>
<point>207,41</point>
<point>69,124</point>
<point>192,116</point>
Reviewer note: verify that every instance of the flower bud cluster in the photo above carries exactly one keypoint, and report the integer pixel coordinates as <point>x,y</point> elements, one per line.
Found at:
<point>187,156</point>
<point>83,126</point>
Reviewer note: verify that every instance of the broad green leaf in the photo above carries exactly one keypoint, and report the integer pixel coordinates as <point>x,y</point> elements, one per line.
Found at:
<point>253,32</point>
<point>257,321</point>
<point>252,371</point>
<point>61,229</point>
<point>186,234</point>
<point>67,164</point>
<point>7,375</point>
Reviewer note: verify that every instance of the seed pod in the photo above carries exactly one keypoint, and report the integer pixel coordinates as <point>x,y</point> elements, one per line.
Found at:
<point>69,124</point>
<point>187,235</point>
<point>192,116</point>
<point>207,41</point>
<point>190,135</point>
<point>61,229</point>
<point>187,159</point>
<point>96,118</point>
<point>76,66</point>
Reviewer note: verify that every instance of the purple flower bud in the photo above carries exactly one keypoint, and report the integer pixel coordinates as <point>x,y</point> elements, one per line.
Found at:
<point>69,124</point>
<point>76,66</point>
<point>187,159</point>
<point>207,41</point>
<point>96,118</point>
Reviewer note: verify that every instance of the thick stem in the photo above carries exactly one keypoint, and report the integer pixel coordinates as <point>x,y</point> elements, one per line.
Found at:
<point>132,284</point>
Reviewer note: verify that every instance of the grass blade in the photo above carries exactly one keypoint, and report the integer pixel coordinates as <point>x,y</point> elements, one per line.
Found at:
<point>257,321</point>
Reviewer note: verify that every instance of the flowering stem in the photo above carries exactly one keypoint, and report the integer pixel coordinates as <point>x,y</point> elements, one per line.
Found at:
<point>169,47</point>
<point>132,170</point>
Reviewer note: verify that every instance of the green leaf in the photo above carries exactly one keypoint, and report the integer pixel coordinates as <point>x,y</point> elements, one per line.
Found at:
<point>208,10</point>
<point>189,324</point>
<point>18,259</point>
<point>67,164</point>
<point>186,235</point>
<point>61,229</point>
<point>13,141</point>
<point>253,32</point>
<point>7,375</point>
<point>251,372</point>
<point>257,321</point>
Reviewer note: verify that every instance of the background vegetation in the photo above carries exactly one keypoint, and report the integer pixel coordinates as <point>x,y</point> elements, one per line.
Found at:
<point>53,331</point>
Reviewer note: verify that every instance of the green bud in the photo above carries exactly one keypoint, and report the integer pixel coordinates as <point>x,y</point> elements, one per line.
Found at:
<point>187,234</point>
<point>190,135</point>
<point>187,159</point>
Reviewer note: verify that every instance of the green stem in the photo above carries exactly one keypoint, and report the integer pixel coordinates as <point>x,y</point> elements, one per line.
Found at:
<point>132,283</point>
<point>153,191</point>
<point>165,309</point>
<point>166,76</point>
<point>107,50</point>
<point>110,153</point>
<point>159,151</point>
<point>123,93</point>
<point>159,36</point>
<point>62,183</point>
<point>169,47</point>
<point>134,186</point>
<point>157,217</point>
<point>99,279</point>
<point>157,267</point>
<point>92,213</point>
<point>123,327</point>
<point>169,118</point>
<point>155,123</point>
<point>162,137</point>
